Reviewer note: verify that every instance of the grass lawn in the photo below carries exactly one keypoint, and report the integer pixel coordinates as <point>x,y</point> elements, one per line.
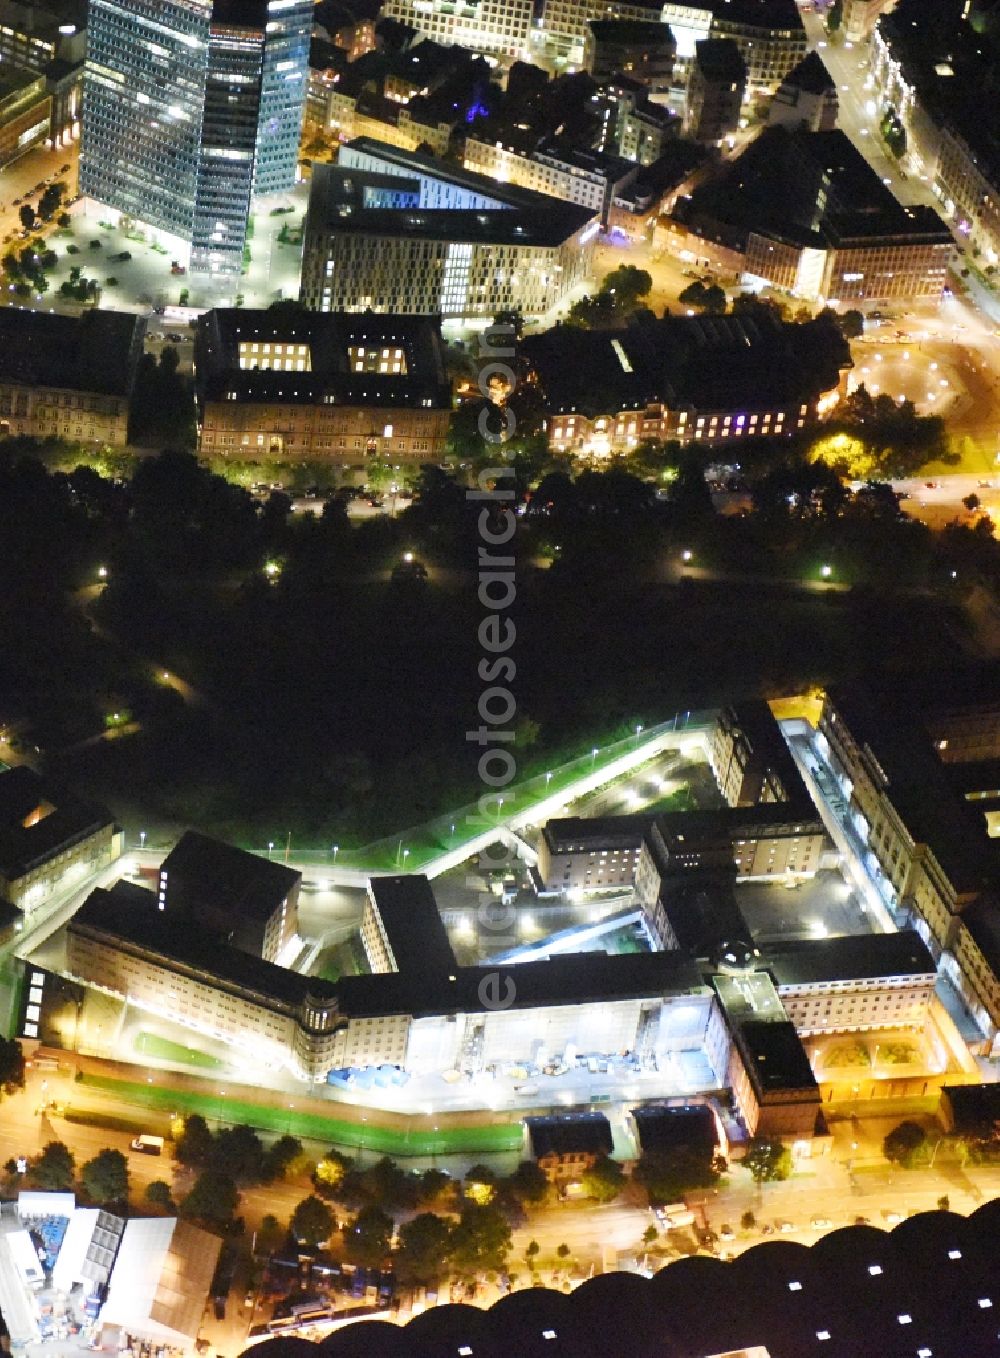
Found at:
<point>162,1049</point>
<point>313,1126</point>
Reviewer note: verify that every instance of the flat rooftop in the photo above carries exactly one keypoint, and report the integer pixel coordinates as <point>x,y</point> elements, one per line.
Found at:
<point>775,1058</point>
<point>96,352</point>
<point>412,923</point>
<point>336,203</point>
<point>864,957</point>
<point>234,880</point>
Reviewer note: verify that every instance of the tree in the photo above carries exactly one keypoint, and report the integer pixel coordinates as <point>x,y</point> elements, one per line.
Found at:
<point>212,1200</point>
<point>627,285</point>
<point>239,1152</point>
<point>529,1184</point>
<point>328,1176</point>
<point>480,1239</point>
<point>433,1184</point>
<point>312,1221</point>
<point>835,16</point>
<point>709,298</point>
<point>196,1144</point>
<point>650,1235</point>
<point>531,1252</point>
<point>50,200</point>
<point>603,1180</point>
<point>767,1159</point>
<point>748,1221</point>
<point>667,1175</point>
<point>563,1251</point>
<point>27,215</point>
<point>367,1240</point>
<point>902,1146</point>
<point>944,1203</point>
<point>54,1168</point>
<point>480,1184</point>
<point>11,1065</point>
<point>271,1234</point>
<point>852,324</point>
<point>424,1250</point>
<point>106,1177</point>
<point>752,307</point>
<point>972,502</point>
<point>280,1156</point>
<point>158,1193</point>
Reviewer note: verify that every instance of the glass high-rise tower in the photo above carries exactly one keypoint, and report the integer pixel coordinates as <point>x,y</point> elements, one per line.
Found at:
<point>190,108</point>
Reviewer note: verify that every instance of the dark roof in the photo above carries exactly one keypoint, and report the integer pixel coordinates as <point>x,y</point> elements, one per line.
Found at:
<point>236,881</point>
<point>623,832</point>
<point>697,829</point>
<point>762,734</point>
<point>920,790</point>
<point>810,76</point>
<point>975,1109</point>
<point>853,957</point>
<point>702,910</point>
<point>534,220</point>
<point>412,924</point>
<point>773,14</point>
<point>700,362</point>
<point>982,919</point>
<point>566,1133</point>
<point>720,59</point>
<point>128,914</point>
<point>96,352</point>
<point>667,1127</point>
<point>632,32</point>
<point>63,822</point>
<point>575,978</point>
<point>775,1058</point>
<point>329,336</point>
<point>811,189</point>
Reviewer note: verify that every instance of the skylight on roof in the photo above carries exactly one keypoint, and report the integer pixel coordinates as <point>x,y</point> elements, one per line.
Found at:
<point>622,356</point>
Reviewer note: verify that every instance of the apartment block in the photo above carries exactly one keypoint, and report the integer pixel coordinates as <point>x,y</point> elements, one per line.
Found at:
<point>716,86</point>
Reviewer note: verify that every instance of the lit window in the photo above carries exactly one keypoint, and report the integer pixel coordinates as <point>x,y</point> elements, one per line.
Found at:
<point>905,1319</point>
<point>984,1303</point>
<point>795,1287</point>
<point>875,1270</point>
<point>822,1334</point>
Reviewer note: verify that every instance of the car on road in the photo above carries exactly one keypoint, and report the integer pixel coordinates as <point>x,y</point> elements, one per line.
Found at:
<point>985,485</point>
<point>726,1233</point>
<point>179,339</point>
<point>64,169</point>
<point>784,1227</point>
<point>894,1218</point>
<point>821,1223</point>
<point>933,485</point>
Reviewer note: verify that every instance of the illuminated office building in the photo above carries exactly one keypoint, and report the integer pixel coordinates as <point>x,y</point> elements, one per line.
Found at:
<point>191,108</point>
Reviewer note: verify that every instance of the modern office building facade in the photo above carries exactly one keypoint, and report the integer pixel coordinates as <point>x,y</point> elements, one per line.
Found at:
<point>190,108</point>
<point>395,231</point>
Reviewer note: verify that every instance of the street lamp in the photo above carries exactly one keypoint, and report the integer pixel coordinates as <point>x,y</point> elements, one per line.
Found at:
<point>102,572</point>
<point>593,756</point>
<point>548,778</point>
<point>336,850</point>
<point>686,555</point>
<point>142,839</point>
<point>826,572</point>
<point>638,729</point>
<point>270,847</point>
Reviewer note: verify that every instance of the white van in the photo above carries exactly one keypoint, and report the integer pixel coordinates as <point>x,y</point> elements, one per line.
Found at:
<point>148,1145</point>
